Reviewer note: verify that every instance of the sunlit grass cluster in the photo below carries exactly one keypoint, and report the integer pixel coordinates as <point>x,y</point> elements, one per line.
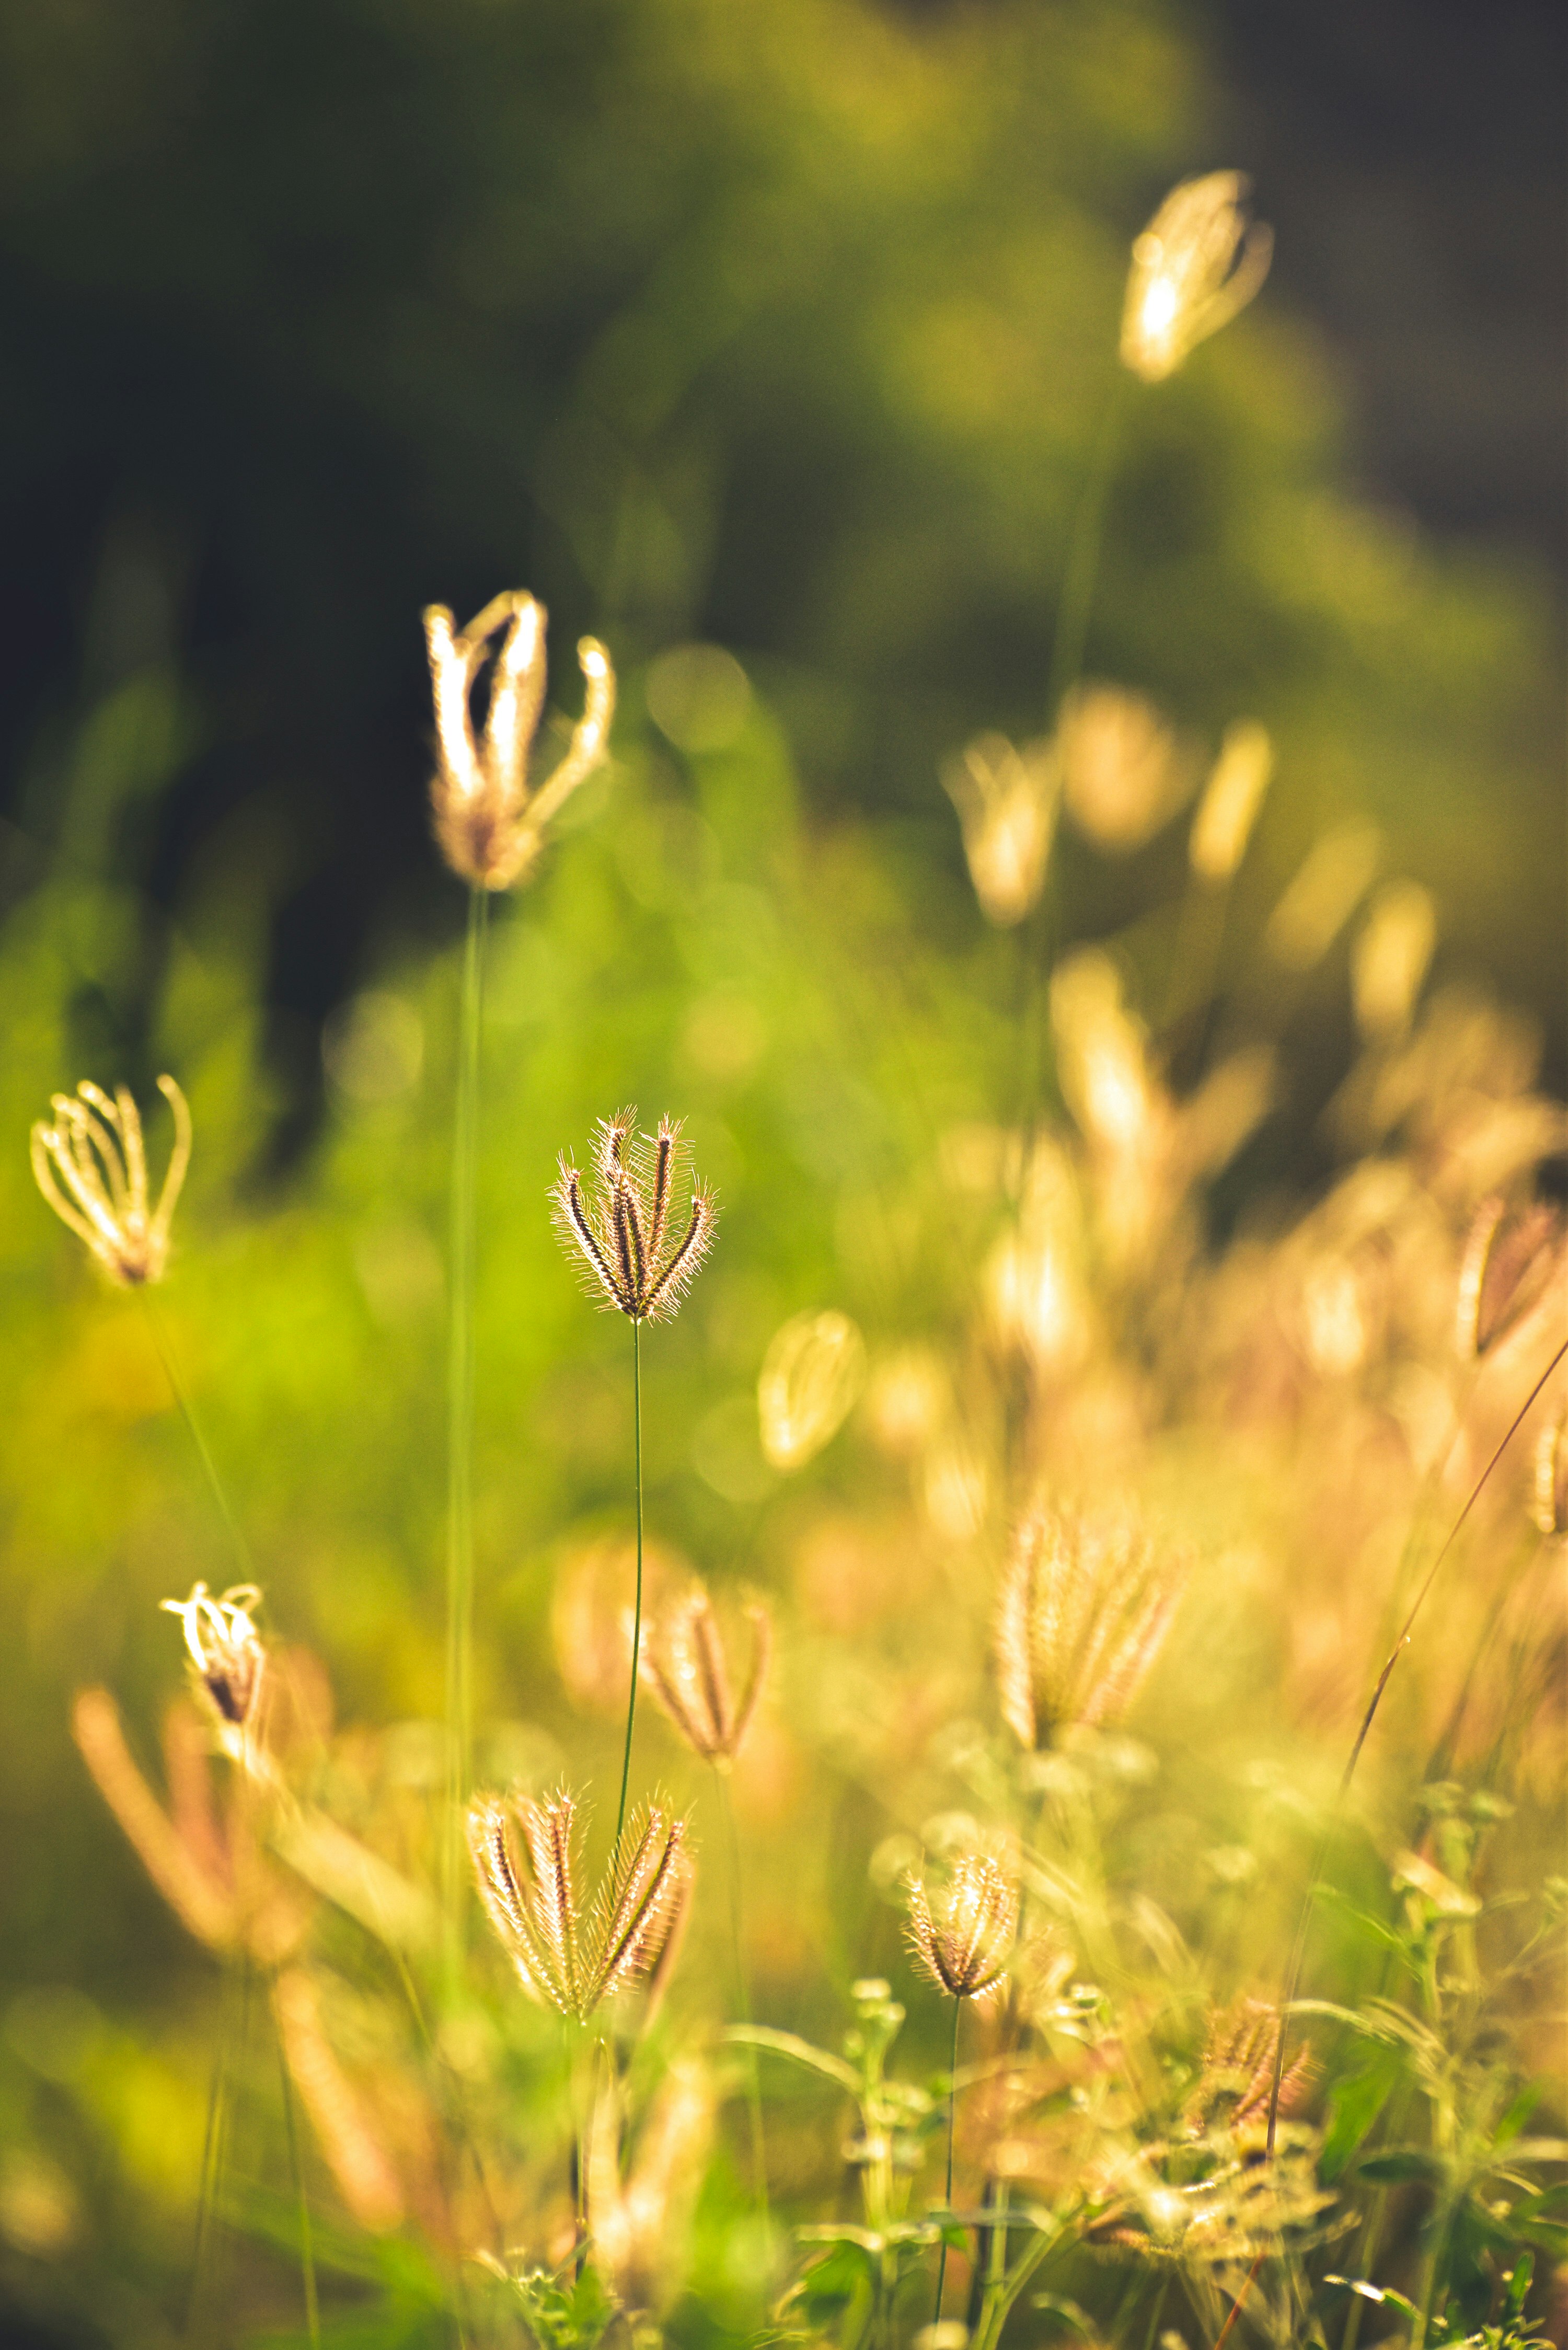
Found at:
<point>1089,1869</point>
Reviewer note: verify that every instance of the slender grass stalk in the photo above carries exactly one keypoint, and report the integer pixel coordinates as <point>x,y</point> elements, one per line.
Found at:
<point>948,2195</point>
<point>211,2160</point>
<point>232,2047</point>
<point>1298,1951</point>
<point>215,2134</point>
<point>1083,553</point>
<point>1037,936</point>
<point>637,1612</point>
<point>1298,1947</point>
<point>743,1994</point>
<point>296,2171</point>
<point>460,1423</point>
<point>164,1346</point>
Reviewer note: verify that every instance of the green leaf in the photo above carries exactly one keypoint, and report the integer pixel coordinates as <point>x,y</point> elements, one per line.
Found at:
<point>845,2272</point>
<point>1353,2107</point>
<point>1402,2163</point>
<point>1519,2113</point>
<point>1375,2293</point>
<point>799,2051</point>
<point>1069,2310</point>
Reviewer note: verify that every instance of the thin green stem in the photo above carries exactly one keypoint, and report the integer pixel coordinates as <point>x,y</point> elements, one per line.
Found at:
<point>948,2197</point>
<point>165,1349</point>
<point>1084,555</point>
<point>637,1612</point>
<point>212,2159</point>
<point>1036,938</point>
<point>1298,1948</point>
<point>296,2171</point>
<point>459,1422</point>
<point>743,1995</point>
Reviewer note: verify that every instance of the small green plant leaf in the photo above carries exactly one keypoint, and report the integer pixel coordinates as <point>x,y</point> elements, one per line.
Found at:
<point>1403,2164</point>
<point>799,2051</point>
<point>1353,2107</point>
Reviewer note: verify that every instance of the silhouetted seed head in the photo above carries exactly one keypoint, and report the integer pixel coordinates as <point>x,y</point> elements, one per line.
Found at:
<point>962,1934</point>
<point>490,826</point>
<point>1006,801</point>
<point>1196,264</point>
<point>1236,2084</point>
<point>683,1664</point>
<point>224,1648</point>
<point>1083,1608</point>
<point>1550,1497</point>
<point>95,1149</point>
<point>569,1955</point>
<point>620,1231</point>
<point>1508,1261</point>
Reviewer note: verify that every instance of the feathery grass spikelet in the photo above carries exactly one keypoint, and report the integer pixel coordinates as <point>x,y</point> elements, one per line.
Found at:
<point>618,1233</point>
<point>1235,2085</point>
<point>811,1376</point>
<point>961,1936</point>
<point>1124,771</point>
<point>683,1664</point>
<point>1006,801</point>
<point>490,826</point>
<point>569,1954</point>
<point>1550,1499</point>
<point>1194,266</point>
<point>95,1149</point>
<point>1232,798</point>
<point>227,1655</point>
<point>1082,1610</point>
<point>1508,1261</point>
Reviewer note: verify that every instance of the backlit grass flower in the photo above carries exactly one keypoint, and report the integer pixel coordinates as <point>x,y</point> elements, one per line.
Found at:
<point>1232,798</point>
<point>490,826</point>
<point>620,1231</point>
<point>812,1374</point>
<point>1007,801</point>
<point>683,1664</point>
<point>961,1936</point>
<point>1196,264</point>
<point>225,1648</point>
<point>91,1168</point>
<point>570,1954</point>
<point>1083,1608</point>
<point>1510,1259</point>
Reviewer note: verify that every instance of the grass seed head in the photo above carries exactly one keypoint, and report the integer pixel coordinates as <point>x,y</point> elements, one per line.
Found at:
<point>1232,798</point>
<point>491,828</point>
<point>811,1378</point>
<point>1195,265</point>
<point>94,1150</point>
<point>683,1663</point>
<point>962,1934</point>
<point>1235,2085</point>
<point>619,1230</point>
<point>1006,801</point>
<point>1124,771</point>
<point>226,1650</point>
<point>570,1953</point>
<point>1509,1259</point>
<point>1550,1508</point>
<point>1083,1611</point>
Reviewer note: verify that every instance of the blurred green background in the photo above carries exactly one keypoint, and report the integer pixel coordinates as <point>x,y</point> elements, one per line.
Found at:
<point>786,330</point>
